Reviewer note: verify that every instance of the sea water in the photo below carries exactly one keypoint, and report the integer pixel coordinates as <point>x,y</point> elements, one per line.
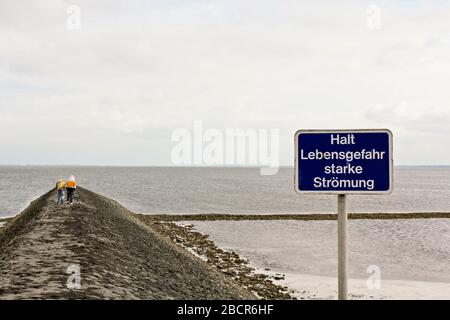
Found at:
<point>412,256</point>
<point>220,190</point>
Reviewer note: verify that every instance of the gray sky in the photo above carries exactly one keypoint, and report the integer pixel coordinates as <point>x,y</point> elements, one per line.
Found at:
<point>113,91</point>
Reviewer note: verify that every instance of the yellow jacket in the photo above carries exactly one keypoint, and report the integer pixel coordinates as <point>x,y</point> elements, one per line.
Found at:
<point>60,185</point>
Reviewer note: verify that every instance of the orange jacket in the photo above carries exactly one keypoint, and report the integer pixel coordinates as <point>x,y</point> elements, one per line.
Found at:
<point>71,184</point>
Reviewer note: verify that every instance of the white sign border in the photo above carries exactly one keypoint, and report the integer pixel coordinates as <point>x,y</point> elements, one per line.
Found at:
<point>391,161</point>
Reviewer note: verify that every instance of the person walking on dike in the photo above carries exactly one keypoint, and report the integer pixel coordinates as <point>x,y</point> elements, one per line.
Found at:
<point>61,189</point>
<point>71,186</point>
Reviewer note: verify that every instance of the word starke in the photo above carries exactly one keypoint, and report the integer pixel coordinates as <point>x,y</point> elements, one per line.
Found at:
<point>347,169</point>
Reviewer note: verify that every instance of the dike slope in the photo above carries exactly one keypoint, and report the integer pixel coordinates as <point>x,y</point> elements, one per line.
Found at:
<point>119,257</point>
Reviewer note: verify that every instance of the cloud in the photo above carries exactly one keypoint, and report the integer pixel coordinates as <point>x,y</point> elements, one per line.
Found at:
<point>137,70</point>
<point>427,120</point>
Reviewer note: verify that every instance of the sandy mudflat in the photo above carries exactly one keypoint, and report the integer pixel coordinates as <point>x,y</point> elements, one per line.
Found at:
<point>307,286</point>
<point>413,255</point>
<point>119,258</point>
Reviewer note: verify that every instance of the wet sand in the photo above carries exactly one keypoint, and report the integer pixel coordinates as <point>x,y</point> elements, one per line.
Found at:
<point>412,256</point>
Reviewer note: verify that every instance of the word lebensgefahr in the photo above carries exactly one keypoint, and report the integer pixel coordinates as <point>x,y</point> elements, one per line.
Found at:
<point>349,156</point>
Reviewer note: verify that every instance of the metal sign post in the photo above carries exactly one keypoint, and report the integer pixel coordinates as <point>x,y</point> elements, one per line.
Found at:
<point>343,162</point>
<point>342,247</point>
